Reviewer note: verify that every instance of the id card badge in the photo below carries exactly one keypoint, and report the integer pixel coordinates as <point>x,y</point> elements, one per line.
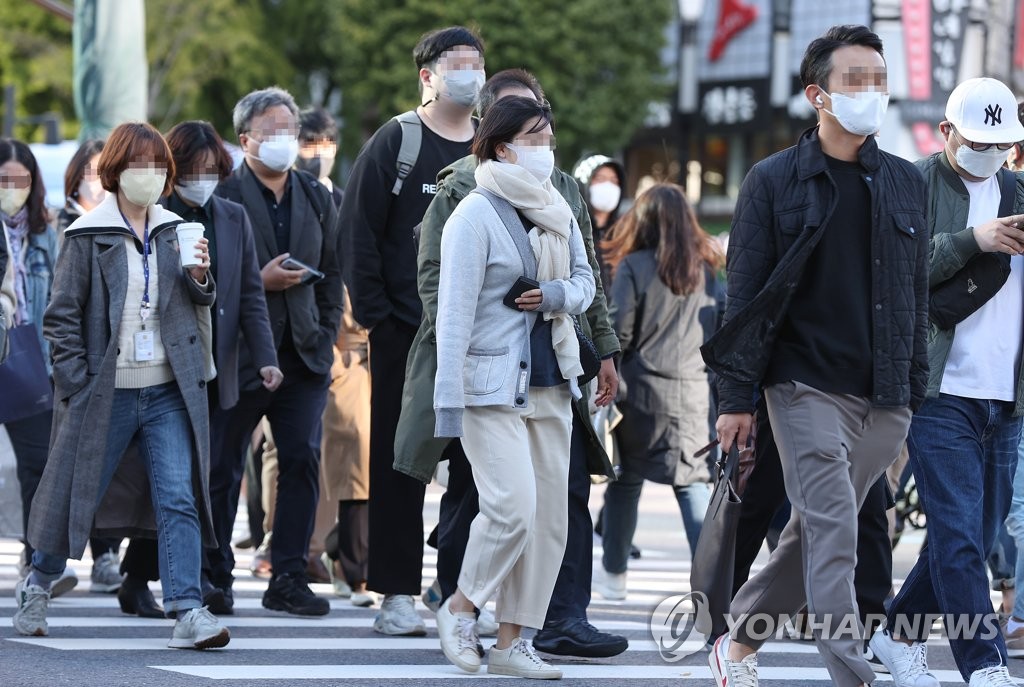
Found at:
<point>144,346</point>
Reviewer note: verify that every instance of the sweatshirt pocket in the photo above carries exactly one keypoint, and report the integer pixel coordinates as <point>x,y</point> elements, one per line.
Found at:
<point>485,370</point>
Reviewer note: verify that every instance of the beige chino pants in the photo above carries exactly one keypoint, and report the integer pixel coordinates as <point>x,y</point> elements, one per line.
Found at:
<point>520,460</point>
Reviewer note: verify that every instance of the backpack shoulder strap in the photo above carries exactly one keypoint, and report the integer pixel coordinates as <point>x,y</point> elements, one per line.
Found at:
<point>409,150</point>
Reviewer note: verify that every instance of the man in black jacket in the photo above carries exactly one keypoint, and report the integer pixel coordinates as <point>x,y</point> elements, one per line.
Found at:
<point>293,216</point>
<point>827,313</point>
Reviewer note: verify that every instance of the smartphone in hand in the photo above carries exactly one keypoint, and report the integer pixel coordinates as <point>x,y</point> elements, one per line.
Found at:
<point>522,285</point>
<point>313,275</point>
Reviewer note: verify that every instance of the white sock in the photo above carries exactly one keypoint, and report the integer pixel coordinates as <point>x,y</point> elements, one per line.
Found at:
<point>1012,625</point>
<point>33,578</point>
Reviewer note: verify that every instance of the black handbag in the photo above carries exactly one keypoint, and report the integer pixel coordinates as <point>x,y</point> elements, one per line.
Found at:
<point>711,573</point>
<point>590,359</point>
<point>957,298</point>
<point>26,385</point>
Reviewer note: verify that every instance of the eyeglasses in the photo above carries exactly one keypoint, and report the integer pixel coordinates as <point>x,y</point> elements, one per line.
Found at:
<point>980,147</point>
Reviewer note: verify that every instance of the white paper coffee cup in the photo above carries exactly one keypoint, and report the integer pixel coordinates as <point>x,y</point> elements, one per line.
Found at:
<point>189,234</point>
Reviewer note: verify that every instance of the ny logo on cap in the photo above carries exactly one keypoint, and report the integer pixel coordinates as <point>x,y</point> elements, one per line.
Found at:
<point>994,115</point>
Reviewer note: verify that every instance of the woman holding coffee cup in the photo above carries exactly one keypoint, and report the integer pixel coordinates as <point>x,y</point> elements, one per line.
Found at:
<point>127,365</point>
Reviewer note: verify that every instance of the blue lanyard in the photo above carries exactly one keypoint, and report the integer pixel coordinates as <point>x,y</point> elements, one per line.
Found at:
<point>144,311</point>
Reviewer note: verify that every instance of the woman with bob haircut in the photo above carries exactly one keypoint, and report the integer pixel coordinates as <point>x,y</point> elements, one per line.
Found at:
<point>127,365</point>
<point>514,272</point>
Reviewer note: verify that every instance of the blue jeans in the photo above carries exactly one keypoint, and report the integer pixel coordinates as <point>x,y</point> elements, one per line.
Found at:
<point>963,453</point>
<point>1015,526</point>
<point>158,417</point>
<point>621,499</point>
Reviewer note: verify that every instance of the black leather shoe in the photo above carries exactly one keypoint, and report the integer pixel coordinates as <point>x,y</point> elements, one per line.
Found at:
<point>577,637</point>
<point>218,600</point>
<point>291,593</point>
<point>135,598</point>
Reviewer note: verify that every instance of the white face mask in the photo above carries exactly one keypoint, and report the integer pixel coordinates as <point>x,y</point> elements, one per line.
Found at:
<point>980,163</point>
<point>862,113</point>
<point>279,152</point>
<point>540,162</point>
<point>197,191</point>
<point>91,193</point>
<point>142,187</point>
<point>463,86</point>
<point>605,196</point>
<point>13,199</point>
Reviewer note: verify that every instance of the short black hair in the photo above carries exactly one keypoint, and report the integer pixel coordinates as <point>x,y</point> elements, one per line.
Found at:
<point>190,141</point>
<point>433,43</point>
<point>503,122</point>
<point>508,78</point>
<point>316,123</point>
<point>816,65</point>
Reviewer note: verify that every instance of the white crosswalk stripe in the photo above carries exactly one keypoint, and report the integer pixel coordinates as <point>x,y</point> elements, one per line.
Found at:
<point>271,649</point>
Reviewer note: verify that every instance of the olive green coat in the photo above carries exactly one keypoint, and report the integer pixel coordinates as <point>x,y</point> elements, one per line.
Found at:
<point>417,451</point>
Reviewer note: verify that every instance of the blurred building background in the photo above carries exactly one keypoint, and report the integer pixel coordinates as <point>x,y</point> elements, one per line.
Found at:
<point>735,64</point>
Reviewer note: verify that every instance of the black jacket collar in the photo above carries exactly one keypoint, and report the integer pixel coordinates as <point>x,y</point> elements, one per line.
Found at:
<point>811,160</point>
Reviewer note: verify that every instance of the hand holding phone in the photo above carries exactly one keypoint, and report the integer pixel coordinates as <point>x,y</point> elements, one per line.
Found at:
<point>522,285</point>
<point>312,275</point>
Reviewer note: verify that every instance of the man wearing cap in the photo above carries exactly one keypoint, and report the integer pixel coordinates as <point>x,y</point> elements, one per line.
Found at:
<point>963,440</point>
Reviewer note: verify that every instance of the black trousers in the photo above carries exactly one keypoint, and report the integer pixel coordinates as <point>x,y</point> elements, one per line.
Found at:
<point>395,563</point>
<point>141,559</point>
<point>460,505</point>
<point>30,438</point>
<point>348,541</point>
<point>766,493</point>
<point>295,412</point>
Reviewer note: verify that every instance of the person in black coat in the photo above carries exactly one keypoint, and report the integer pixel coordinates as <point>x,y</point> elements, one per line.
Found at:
<point>664,307</point>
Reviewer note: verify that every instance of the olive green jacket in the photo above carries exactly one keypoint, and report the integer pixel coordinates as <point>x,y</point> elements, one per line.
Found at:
<point>952,245</point>
<point>417,451</point>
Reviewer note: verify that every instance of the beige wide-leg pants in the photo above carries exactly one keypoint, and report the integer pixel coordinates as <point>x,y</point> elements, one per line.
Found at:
<point>520,460</point>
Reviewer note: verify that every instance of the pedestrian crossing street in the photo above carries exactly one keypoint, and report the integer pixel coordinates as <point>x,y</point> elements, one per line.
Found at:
<point>92,642</point>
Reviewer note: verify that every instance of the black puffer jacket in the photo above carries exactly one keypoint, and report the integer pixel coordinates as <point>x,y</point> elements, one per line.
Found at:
<point>785,203</point>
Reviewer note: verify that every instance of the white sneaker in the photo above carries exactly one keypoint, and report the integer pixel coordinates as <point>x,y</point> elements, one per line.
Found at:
<point>198,629</point>
<point>729,673</point>
<point>363,599</point>
<point>106,577</point>
<point>996,676</point>
<point>908,664</point>
<point>458,637</point>
<point>341,587</point>
<point>398,617</point>
<point>32,600</point>
<point>612,586</point>
<point>520,660</point>
<point>486,625</point>
<point>67,581</point>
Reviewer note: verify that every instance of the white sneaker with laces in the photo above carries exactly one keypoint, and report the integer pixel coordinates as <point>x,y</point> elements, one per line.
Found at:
<point>907,663</point>
<point>198,629</point>
<point>398,617</point>
<point>458,637</point>
<point>341,587</point>
<point>997,676</point>
<point>729,673</point>
<point>106,577</point>
<point>32,600</point>
<point>520,660</point>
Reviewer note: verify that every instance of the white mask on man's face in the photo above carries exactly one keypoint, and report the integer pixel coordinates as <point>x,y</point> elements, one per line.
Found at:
<point>860,113</point>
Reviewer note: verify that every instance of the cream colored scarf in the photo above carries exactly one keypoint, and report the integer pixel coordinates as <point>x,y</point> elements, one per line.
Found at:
<point>543,205</point>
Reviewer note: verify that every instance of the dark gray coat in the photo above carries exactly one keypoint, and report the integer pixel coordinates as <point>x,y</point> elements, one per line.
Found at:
<point>663,393</point>
<point>81,325</point>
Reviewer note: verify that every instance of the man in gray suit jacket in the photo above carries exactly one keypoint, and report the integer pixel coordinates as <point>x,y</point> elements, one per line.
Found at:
<point>294,225</point>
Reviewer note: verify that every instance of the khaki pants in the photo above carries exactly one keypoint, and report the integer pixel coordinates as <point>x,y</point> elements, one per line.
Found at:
<point>833,448</point>
<point>520,460</point>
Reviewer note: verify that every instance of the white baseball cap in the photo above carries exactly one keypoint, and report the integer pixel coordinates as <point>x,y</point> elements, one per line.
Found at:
<point>984,110</point>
